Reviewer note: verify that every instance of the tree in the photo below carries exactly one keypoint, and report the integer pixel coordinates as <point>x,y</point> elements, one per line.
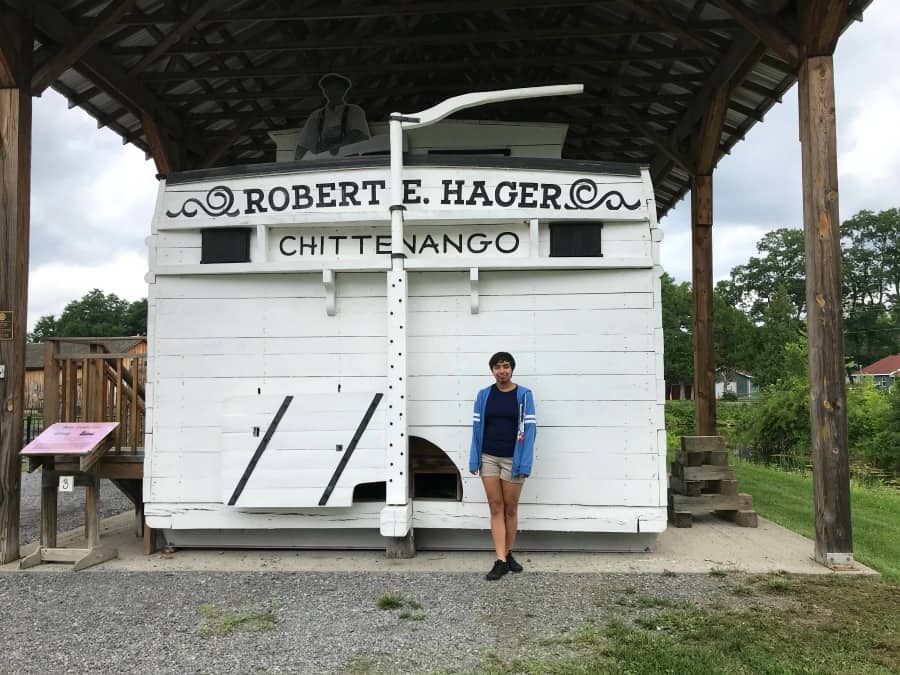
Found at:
<point>735,337</point>
<point>95,315</point>
<point>678,326</point>
<point>44,328</point>
<point>775,361</point>
<point>782,264</point>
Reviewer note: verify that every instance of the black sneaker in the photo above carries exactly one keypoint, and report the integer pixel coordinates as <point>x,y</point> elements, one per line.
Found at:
<point>498,570</point>
<point>512,563</point>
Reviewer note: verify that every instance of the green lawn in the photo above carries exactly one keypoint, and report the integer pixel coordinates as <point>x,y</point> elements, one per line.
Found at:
<point>808,625</point>
<point>787,499</point>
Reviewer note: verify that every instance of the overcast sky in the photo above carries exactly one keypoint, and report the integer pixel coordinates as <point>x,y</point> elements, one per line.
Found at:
<point>92,197</point>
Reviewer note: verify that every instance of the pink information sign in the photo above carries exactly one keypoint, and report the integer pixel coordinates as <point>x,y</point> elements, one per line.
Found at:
<point>63,438</point>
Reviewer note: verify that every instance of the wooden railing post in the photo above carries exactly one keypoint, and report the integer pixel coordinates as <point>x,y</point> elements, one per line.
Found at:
<point>51,383</point>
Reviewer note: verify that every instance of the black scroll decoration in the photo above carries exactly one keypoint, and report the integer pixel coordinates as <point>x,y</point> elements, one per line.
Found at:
<point>219,202</point>
<point>583,196</point>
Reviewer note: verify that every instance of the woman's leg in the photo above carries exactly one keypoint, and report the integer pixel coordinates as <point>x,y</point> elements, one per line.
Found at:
<point>511,492</point>
<point>494,493</point>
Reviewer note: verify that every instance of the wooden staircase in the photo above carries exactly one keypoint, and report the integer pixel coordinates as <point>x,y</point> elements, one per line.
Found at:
<point>702,482</point>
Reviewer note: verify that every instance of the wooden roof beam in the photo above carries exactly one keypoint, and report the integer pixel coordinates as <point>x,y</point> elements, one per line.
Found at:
<point>765,31</point>
<point>80,43</point>
<point>163,151</point>
<point>658,13</point>
<point>181,29</point>
<point>821,23</point>
<point>335,12</point>
<point>707,154</point>
<point>103,72</point>
<point>375,69</point>
<point>663,144</point>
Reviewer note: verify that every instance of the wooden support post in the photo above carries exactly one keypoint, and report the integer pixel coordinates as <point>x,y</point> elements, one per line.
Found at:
<point>821,225</point>
<point>701,256</point>
<point>50,410</point>
<point>15,189</point>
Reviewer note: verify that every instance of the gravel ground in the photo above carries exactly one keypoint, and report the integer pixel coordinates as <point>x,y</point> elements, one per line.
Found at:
<point>323,623</point>
<point>70,509</point>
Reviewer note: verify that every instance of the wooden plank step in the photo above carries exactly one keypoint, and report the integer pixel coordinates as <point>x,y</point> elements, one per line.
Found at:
<point>741,517</point>
<point>707,472</point>
<point>702,443</point>
<point>701,457</point>
<point>710,502</point>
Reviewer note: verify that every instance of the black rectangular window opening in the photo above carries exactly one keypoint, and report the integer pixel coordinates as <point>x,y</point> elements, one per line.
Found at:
<point>225,245</point>
<point>579,239</point>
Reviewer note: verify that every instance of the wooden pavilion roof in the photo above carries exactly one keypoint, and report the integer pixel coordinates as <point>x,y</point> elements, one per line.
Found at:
<point>205,80</point>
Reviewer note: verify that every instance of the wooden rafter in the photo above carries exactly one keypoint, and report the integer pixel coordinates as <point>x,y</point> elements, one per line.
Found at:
<point>70,52</point>
<point>765,30</point>
<point>182,28</point>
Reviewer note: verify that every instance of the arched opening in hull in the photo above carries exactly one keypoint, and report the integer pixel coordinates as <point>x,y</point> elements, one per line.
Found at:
<point>432,474</point>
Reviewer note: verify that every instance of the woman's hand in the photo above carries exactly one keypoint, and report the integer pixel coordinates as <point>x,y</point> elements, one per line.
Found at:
<point>474,472</point>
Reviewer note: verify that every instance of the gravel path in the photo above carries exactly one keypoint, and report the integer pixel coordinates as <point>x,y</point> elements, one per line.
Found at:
<point>70,509</point>
<point>323,623</point>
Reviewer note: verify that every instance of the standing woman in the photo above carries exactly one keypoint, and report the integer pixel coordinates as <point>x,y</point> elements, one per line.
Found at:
<point>503,431</point>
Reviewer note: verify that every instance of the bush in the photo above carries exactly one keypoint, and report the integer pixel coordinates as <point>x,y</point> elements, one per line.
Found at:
<point>777,426</point>
<point>729,396</point>
<point>884,451</point>
<point>867,418</point>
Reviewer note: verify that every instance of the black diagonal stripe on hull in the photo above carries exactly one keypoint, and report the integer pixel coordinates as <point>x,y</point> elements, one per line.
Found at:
<point>350,448</point>
<point>263,444</point>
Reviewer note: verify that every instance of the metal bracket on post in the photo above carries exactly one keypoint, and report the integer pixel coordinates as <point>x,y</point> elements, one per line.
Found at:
<point>473,289</point>
<point>328,283</point>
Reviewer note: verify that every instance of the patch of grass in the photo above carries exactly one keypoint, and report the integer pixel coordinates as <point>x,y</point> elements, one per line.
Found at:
<point>406,615</point>
<point>776,585</point>
<point>629,589</point>
<point>649,601</point>
<point>743,591</point>
<point>221,621</point>
<point>669,573</point>
<point>412,604</point>
<point>718,572</point>
<point>787,499</point>
<point>828,624</point>
<point>389,601</point>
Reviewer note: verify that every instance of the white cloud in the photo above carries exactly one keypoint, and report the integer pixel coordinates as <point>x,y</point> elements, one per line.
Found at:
<point>53,285</point>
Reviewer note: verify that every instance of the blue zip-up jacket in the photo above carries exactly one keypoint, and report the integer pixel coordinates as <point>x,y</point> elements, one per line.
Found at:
<point>523,455</point>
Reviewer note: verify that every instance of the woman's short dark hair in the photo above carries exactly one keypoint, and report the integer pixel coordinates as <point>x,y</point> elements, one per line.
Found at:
<point>500,357</point>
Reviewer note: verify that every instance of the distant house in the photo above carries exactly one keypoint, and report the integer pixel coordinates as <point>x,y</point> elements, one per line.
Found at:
<point>884,372</point>
<point>679,391</point>
<point>737,382</point>
<point>34,362</point>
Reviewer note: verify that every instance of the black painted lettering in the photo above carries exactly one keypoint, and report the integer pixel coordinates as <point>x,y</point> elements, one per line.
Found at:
<point>505,194</point>
<point>349,190</point>
<point>325,196</point>
<point>527,199</point>
<point>452,188</point>
<point>410,244</point>
<point>410,187</point>
<point>278,199</point>
<point>481,246</point>
<point>311,245</point>
<point>361,238</point>
<point>512,246</point>
<point>450,243</point>
<point>429,242</point>
<point>282,243</point>
<point>383,244</point>
<point>336,238</point>
<point>254,198</point>
<point>302,198</point>
<point>479,195</point>
<point>373,186</point>
<point>551,193</point>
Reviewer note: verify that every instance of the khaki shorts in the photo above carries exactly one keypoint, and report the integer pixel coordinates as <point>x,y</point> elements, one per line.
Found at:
<point>499,466</point>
